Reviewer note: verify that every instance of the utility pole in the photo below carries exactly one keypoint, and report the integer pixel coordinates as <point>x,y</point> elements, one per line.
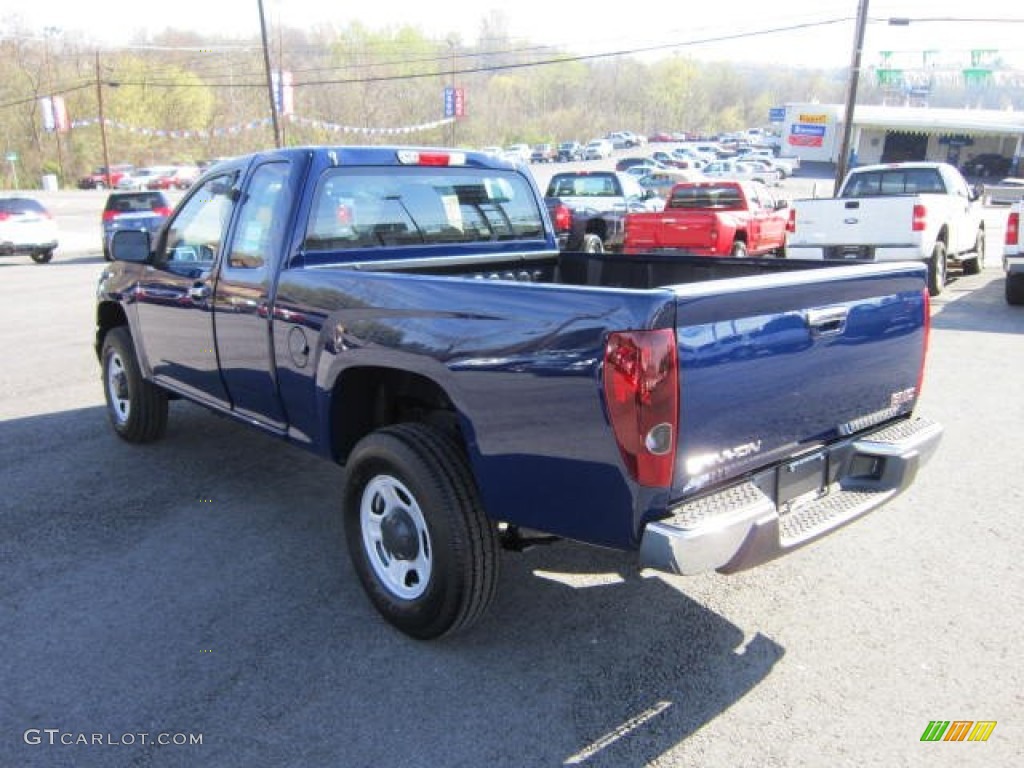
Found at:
<point>54,114</point>
<point>270,80</point>
<point>103,122</point>
<point>851,93</point>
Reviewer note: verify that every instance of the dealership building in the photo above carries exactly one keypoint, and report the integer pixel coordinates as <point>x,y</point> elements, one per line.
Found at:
<point>814,132</point>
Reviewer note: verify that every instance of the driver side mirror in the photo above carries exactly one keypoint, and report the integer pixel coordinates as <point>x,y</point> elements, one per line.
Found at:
<point>131,245</point>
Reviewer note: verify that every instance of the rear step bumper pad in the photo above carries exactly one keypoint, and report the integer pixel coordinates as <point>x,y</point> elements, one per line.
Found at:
<point>741,526</point>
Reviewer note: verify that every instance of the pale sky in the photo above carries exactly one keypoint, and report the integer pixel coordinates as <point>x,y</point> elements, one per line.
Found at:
<point>583,27</point>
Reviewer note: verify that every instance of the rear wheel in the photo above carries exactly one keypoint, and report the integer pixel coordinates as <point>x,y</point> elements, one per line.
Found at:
<point>1015,288</point>
<point>739,249</point>
<point>592,243</point>
<point>937,269</point>
<point>42,257</point>
<point>425,552</point>
<point>975,264</point>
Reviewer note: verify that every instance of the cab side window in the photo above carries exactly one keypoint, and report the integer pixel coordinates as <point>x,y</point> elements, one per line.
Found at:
<point>195,235</point>
<point>262,218</point>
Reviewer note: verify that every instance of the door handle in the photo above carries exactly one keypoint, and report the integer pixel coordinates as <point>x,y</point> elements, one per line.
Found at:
<point>199,292</point>
<point>829,321</point>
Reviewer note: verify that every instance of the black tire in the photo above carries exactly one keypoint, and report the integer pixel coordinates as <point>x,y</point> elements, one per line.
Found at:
<point>42,257</point>
<point>976,263</point>
<point>410,484</point>
<point>137,409</point>
<point>937,269</point>
<point>592,243</point>
<point>739,249</point>
<point>1015,288</point>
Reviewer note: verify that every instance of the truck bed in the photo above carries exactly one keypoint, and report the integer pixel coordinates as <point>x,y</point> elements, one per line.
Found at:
<point>776,358</point>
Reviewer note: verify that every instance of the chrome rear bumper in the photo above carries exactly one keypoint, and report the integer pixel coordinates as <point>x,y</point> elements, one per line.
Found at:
<point>742,526</point>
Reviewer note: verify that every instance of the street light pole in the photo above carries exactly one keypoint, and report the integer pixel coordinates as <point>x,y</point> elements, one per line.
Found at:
<point>851,93</point>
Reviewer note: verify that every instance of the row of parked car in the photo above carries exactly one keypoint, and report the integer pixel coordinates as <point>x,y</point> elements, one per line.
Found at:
<point>164,177</point>
<point>568,151</point>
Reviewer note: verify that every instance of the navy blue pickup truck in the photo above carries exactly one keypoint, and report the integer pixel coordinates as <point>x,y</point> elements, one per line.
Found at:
<point>407,313</point>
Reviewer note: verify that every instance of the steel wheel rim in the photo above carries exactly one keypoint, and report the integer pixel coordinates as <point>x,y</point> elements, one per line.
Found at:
<point>386,500</point>
<point>117,389</point>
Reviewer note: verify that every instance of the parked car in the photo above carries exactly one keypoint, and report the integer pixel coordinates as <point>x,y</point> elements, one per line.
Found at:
<point>660,183</point>
<point>178,177</point>
<point>598,149</point>
<point>712,218</point>
<point>519,153</point>
<point>987,165</point>
<point>142,210</point>
<point>26,227</point>
<point>100,179</point>
<point>543,153</point>
<point>634,161</point>
<point>141,177</point>
<point>740,171</point>
<point>569,151</point>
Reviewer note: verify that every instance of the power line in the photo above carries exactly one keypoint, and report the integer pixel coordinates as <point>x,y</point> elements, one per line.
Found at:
<point>543,62</point>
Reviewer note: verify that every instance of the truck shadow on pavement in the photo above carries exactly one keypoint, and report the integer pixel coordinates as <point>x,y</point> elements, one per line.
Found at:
<point>201,585</point>
<point>977,304</point>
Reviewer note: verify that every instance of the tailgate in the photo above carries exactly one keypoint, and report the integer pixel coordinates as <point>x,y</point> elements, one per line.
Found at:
<point>882,221</point>
<point>671,229</point>
<point>780,365</point>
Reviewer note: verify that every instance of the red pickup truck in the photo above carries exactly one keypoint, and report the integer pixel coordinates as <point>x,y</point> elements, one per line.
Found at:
<point>712,218</point>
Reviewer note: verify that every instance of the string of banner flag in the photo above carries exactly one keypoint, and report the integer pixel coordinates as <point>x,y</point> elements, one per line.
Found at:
<point>262,123</point>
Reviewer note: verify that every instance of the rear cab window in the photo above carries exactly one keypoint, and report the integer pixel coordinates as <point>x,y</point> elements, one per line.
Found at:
<point>358,208</point>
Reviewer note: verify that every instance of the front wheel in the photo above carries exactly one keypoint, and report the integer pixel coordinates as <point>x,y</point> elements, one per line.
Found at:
<point>137,408</point>
<point>739,249</point>
<point>424,550</point>
<point>42,257</point>
<point>592,243</point>
<point>975,264</point>
<point>937,269</point>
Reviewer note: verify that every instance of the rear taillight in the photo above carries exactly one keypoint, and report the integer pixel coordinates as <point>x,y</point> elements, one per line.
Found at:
<point>4,215</point>
<point>162,211</point>
<point>641,389</point>
<point>927,335</point>
<point>109,215</point>
<point>791,222</point>
<point>919,218</point>
<point>563,218</point>
<point>1013,228</point>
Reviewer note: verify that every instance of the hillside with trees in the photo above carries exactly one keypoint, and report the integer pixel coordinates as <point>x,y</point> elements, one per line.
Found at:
<point>185,97</point>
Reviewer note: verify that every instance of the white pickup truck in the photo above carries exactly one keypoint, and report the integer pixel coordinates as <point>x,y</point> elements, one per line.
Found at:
<point>1013,256</point>
<point>895,212</point>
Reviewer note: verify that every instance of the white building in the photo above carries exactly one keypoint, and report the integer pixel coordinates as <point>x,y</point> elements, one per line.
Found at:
<point>814,132</point>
